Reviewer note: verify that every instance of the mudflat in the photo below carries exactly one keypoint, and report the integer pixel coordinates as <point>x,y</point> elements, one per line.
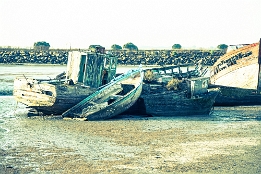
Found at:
<point>130,145</point>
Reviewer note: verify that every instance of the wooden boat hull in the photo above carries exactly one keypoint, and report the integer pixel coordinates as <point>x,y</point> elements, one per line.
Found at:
<point>48,97</point>
<point>86,72</point>
<point>118,107</point>
<point>232,96</point>
<point>111,100</point>
<point>174,103</point>
<point>238,68</point>
<point>237,73</point>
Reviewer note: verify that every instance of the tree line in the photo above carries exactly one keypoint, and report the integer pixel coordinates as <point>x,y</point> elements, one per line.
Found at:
<point>43,45</point>
<point>131,46</point>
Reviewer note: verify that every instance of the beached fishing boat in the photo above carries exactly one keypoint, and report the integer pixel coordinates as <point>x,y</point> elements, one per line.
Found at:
<point>86,72</point>
<point>237,74</point>
<point>170,94</point>
<point>178,71</point>
<point>110,100</point>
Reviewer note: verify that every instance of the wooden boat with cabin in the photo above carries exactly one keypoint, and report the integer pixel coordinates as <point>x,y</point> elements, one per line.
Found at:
<point>237,74</point>
<point>166,93</point>
<point>86,72</point>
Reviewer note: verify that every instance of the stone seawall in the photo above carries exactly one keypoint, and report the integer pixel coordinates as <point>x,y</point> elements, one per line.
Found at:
<point>145,57</point>
<point>168,57</point>
<point>31,56</point>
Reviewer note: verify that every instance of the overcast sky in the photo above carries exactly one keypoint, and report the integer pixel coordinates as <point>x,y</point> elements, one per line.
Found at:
<point>146,23</point>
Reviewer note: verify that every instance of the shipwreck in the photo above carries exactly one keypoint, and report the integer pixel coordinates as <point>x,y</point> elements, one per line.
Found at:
<point>237,74</point>
<point>87,72</point>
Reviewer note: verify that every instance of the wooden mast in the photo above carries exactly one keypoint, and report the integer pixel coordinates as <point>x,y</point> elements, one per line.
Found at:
<point>259,68</point>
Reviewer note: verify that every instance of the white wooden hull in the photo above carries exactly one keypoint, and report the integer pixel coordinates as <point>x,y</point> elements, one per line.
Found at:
<point>239,68</point>
<point>244,77</point>
<point>237,74</point>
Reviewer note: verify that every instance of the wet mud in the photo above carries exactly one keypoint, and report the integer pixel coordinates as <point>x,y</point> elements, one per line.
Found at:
<point>130,144</point>
<point>227,141</point>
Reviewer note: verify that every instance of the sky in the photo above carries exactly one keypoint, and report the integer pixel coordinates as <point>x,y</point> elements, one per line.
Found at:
<point>149,24</point>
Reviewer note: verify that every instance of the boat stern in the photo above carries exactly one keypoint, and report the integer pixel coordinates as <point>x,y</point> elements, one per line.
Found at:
<point>32,92</point>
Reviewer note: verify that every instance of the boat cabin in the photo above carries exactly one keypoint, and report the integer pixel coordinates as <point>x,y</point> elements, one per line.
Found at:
<point>197,86</point>
<point>235,47</point>
<point>90,68</point>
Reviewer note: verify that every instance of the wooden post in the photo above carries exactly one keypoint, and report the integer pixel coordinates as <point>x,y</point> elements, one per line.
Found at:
<point>259,68</point>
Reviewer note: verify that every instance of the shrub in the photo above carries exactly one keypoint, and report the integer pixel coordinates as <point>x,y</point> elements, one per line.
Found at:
<point>176,46</point>
<point>173,84</point>
<point>222,46</point>
<point>41,45</point>
<point>149,76</point>
<point>130,46</point>
<point>116,47</point>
